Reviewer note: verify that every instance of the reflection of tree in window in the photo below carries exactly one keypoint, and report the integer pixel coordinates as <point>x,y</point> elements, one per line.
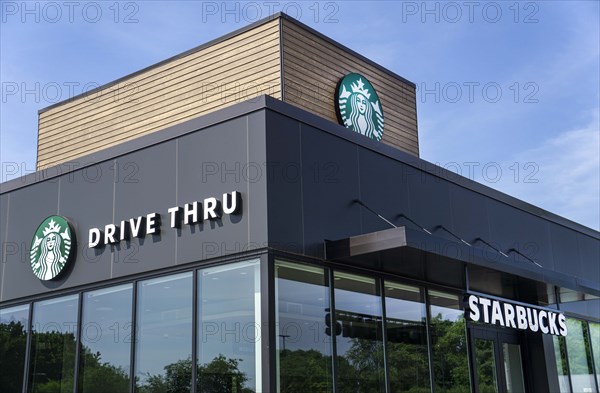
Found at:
<point>408,357</point>
<point>304,329</point>
<point>449,343</point>
<point>13,341</point>
<point>220,375</point>
<point>360,363</point>
<point>580,359</point>
<point>485,366</point>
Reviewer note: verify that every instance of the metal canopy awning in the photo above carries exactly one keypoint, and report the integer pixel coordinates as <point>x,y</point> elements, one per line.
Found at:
<point>415,254</point>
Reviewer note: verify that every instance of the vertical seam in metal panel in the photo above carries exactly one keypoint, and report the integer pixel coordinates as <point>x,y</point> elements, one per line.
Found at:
<point>332,329</point>
<point>78,342</point>
<point>386,368</point>
<point>194,329</point>
<point>28,347</point>
<point>133,336</point>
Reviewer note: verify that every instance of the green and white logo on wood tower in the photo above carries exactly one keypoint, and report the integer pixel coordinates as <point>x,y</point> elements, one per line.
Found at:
<point>358,106</point>
<point>51,248</point>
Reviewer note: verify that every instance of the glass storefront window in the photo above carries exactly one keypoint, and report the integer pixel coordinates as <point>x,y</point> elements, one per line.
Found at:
<point>360,365</point>
<point>580,357</point>
<point>14,326</point>
<point>164,334</point>
<point>106,340</point>
<point>408,359</point>
<point>562,369</point>
<point>229,328</point>
<point>53,345</point>
<point>595,338</point>
<point>485,366</point>
<point>449,343</point>
<point>303,329</point>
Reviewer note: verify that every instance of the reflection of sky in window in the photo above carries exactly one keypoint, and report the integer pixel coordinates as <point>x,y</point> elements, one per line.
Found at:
<point>164,323</point>
<point>445,305</point>
<point>301,308</point>
<point>403,303</point>
<point>356,297</point>
<point>226,314</point>
<point>15,314</point>
<point>56,315</point>
<point>106,324</point>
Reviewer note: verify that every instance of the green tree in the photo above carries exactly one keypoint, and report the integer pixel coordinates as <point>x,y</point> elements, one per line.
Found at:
<point>13,342</point>
<point>219,375</point>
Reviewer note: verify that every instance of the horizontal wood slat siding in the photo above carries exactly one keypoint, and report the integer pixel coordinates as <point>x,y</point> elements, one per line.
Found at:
<point>312,66</point>
<point>233,70</point>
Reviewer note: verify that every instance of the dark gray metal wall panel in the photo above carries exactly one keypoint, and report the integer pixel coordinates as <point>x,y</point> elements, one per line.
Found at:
<point>86,199</point>
<point>429,201</point>
<point>585,307</point>
<point>565,250</point>
<point>385,191</point>
<point>469,214</point>
<point>284,183</point>
<point>330,185</point>
<point>589,252</point>
<point>220,159</point>
<point>391,186</point>
<point>257,235</point>
<point>151,190</point>
<point>29,206</point>
<point>512,228</point>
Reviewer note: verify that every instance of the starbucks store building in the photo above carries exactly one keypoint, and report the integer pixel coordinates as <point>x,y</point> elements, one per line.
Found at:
<point>252,215</point>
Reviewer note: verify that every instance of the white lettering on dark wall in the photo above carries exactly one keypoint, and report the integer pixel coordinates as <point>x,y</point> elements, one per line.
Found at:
<point>505,314</point>
<point>191,213</point>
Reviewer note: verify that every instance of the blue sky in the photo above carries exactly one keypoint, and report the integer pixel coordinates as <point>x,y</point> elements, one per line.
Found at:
<point>508,92</point>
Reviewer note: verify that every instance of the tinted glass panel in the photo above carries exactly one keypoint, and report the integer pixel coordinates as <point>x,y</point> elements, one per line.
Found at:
<point>595,336</point>
<point>229,345</point>
<point>513,369</point>
<point>580,358</point>
<point>449,343</point>
<point>164,334</point>
<point>485,363</point>
<point>408,359</point>
<point>106,340</point>
<point>14,325</point>
<point>52,366</point>
<point>360,345</point>
<point>304,329</point>
<point>562,369</point>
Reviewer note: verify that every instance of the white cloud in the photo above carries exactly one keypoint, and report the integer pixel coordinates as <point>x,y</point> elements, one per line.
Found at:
<point>568,178</point>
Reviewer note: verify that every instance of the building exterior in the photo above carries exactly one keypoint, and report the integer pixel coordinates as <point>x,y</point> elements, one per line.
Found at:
<point>210,238</point>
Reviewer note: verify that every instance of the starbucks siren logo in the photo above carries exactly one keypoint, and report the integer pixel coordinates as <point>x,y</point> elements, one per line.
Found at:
<point>358,107</point>
<point>51,248</point>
